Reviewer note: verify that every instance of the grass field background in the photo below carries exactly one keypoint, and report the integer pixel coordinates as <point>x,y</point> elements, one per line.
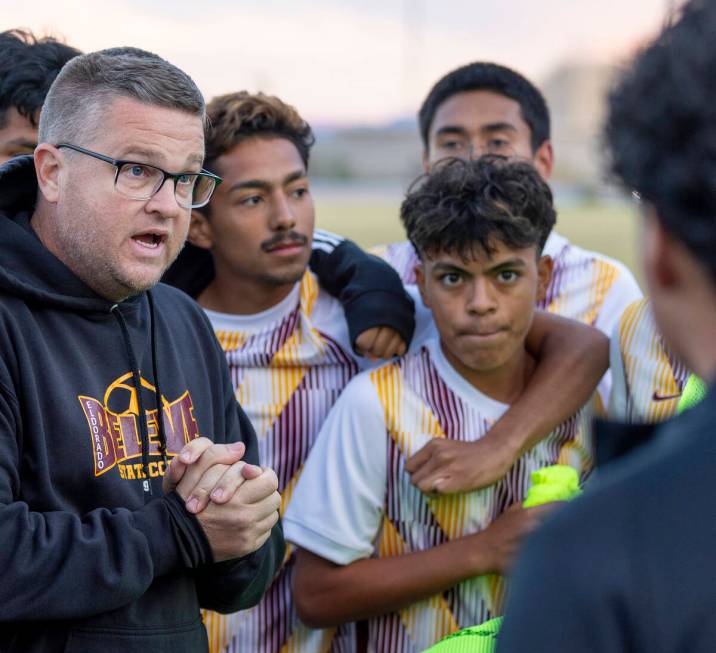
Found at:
<point>610,228</point>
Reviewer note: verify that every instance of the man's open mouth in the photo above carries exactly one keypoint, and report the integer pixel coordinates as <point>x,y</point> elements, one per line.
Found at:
<point>149,239</point>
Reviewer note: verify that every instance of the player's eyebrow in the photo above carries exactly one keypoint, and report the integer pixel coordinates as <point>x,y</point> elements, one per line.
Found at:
<point>250,183</point>
<point>294,176</point>
<point>498,127</point>
<point>445,266</point>
<point>509,264</point>
<point>263,184</point>
<point>138,152</point>
<point>451,129</point>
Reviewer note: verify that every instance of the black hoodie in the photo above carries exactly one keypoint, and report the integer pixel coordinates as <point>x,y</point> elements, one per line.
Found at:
<point>93,557</point>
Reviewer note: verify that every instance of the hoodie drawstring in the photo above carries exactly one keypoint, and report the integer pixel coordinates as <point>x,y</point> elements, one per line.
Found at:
<point>157,387</point>
<point>137,382</point>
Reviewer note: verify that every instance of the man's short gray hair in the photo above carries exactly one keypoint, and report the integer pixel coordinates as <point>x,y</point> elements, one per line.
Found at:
<point>87,85</point>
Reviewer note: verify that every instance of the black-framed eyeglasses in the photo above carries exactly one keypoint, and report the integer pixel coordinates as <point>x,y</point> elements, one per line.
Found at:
<point>141,181</point>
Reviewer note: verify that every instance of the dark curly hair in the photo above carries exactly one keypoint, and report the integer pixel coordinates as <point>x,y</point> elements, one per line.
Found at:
<point>661,129</point>
<point>483,76</point>
<point>28,66</point>
<point>461,204</point>
<point>238,116</point>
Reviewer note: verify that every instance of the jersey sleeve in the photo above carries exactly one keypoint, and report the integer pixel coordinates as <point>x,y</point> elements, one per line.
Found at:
<point>623,292</point>
<point>337,506</point>
<point>618,394</point>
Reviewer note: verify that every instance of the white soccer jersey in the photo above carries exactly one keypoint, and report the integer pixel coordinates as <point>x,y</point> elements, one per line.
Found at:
<point>647,379</point>
<point>585,286</point>
<point>288,366</point>
<point>355,499</point>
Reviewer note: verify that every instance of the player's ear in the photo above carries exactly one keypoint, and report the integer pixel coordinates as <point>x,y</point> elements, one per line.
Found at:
<point>200,231</point>
<point>545,265</point>
<point>659,257</point>
<point>426,160</point>
<point>420,282</point>
<point>544,159</point>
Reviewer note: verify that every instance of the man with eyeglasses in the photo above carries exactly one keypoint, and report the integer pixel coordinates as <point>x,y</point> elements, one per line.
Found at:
<point>115,400</point>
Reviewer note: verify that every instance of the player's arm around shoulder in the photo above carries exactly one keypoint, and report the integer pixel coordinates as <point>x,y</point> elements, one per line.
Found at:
<point>571,359</point>
<point>379,313</point>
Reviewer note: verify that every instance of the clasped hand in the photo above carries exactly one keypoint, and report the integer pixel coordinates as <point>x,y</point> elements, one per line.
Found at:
<point>235,502</point>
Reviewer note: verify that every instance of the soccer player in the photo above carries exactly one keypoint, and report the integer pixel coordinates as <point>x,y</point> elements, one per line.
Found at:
<point>371,544</point>
<point>286,337</point>
<point>487,108</point>
<point>28,66</point>
<point>647,378</point>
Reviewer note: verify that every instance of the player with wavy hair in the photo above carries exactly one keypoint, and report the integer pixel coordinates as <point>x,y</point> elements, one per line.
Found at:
<point>372,545</point>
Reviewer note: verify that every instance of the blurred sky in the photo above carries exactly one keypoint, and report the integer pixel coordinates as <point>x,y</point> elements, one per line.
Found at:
<point>347,61</point>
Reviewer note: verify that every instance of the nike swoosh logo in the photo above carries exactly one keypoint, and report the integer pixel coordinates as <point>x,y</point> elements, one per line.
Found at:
<point>657,397</point>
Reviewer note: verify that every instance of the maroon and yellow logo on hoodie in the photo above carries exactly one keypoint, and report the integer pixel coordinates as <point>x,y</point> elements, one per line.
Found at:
<point>116,436</point>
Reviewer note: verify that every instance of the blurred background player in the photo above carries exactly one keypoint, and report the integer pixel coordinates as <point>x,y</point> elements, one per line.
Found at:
<point>372,545</point>
<point>629,566</point>
<point>28,66</point>
<point>647,378</point>
<point>487,108</point>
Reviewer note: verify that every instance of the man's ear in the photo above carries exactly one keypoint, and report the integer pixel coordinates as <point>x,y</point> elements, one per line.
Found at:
<point>543,160</point>
<point>426,160</point>
<point>420,282</point>
<point>200,231</point>
<point>659,253</point>
<point>49,166</point>
<point>545,265</point>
